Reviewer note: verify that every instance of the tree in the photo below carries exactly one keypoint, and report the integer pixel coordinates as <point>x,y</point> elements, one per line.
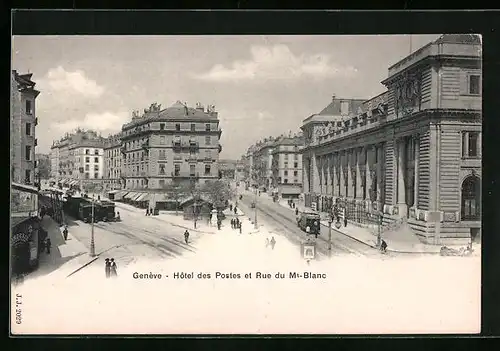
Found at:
<point>176,191</point>
<point>218,192</point>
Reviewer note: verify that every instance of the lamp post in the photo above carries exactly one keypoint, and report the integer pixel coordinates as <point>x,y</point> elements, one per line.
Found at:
<point>92,243</point>
<point>330,220</point>
<point>255,213</point>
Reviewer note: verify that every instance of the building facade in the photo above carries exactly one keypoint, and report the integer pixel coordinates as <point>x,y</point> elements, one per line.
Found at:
<point>78,158</point>
<point>176,144</point>
<point>262,164</point>
<point>413,152</point>
<point>113,162</point>
<point>54,162</point>
<point>22,128</point>
<point>287,166</point>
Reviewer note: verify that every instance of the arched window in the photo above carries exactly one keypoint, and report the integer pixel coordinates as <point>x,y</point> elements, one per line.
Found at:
<point>471,199</point>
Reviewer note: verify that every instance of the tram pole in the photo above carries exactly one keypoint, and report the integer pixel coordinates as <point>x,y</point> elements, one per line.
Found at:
<point>92,243</point>
<point>330,236</point>
<point>255,213</point>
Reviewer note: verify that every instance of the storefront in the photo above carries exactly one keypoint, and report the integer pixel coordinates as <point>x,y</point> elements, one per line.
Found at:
<point>25,228</point>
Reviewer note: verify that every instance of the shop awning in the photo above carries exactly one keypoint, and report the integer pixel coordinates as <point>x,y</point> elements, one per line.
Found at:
<point>130,195</point>
<point>113,192</point>
<point>144,197</point>
<point>137,196</point>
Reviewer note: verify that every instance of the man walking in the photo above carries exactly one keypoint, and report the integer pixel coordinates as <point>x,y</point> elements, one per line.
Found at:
<point>48,244</point>
<point>186,236</point>
<point>273,242</point>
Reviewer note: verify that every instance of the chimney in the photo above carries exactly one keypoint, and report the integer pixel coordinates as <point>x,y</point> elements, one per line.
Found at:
<point>333,97</point>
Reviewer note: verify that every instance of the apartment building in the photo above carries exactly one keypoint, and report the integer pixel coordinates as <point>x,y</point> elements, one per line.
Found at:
<point>112,177</point>
<point>23,123</point>
<point>175,144</point>
<point>287,166</point>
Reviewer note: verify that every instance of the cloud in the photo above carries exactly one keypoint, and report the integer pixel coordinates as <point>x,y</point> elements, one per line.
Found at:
<point>103,122</point>
<point>277,63</point>
<point>58,80</point>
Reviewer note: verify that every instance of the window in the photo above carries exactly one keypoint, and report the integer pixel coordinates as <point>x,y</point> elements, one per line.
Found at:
<point>96,159</point>
<point>193,127</point>
<point>295,156</point>
<point>162,140</point>
<point>192,170</point>
<point>177,126</point>
<point>285,173</point>
<point>286,156</point>
<point>295,165</point>
<point>87,152</point>
<point>286,181</point>
<point>162,155</point>
<point>27,176</point>
<point>161,169</point>
<point>96,152</point>
<point>286,164</point>
<point>96,175</point>
<point>28,128</point>
<point>87,175</point>
<point>177,169</point>
<point>87,167</point>
<point>207,140</point>
<point>28,107</point>
<point>96,167</point>
<point>470,144</point>
<point>162,183</point>
<point>177,140</point>
<point>208,154</point>
<point>192,152</point>
<point>295,173</point>
<point>28,153</point>
<point>207,127</point>
<point>474,84</point>
<point>208,169</point>
<point>162,126</point>
<point>471,199</point>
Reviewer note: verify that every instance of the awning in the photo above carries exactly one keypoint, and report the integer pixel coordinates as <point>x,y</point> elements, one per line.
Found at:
<point>144,197</point>
<point>161,197</point>
<point>113,192</point>
<point>137,196</point>
<point>130,195</point>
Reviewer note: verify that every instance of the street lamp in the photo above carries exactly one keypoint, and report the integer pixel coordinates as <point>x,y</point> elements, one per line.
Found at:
<point>92,243</point>
<point>330,220</point>
<point>255,214</point>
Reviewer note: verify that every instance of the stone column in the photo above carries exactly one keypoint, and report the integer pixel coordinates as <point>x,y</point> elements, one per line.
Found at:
<point>306,170</point>
<point>368,168</point>
<point>359,167</point>
<point>401,200</point>
<point>380,151</point>
<point>417,161</point>
<point>349,175</point>
<point>465,146</point>
<point>342,178</point>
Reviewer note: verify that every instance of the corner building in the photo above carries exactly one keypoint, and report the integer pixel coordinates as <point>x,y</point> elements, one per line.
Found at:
<point>177,144</point>
<point>413,152</point>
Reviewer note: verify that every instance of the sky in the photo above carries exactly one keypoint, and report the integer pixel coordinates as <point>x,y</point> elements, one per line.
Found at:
<point>261,85</point>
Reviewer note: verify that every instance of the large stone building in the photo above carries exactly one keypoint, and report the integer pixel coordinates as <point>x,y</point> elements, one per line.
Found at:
<point>79,158</point>
<point>414,151</point>
<point>113,162</point>
<point>262,159</point>
<point>286,166</point>
<point>176,144</point>
<point>23,123</point>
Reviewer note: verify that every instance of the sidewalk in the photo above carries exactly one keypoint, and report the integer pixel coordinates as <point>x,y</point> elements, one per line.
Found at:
<point>405,243</point>
<point>64,255</point>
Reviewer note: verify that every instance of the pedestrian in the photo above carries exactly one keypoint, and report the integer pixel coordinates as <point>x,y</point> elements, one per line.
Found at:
<point>218,224</point>
<point>383,246</point>
<point>186,236</point>
<point>48,245</point>
<point>113,267</point>
<point>107,267</point>
<point>239,226</point>
<point>273,242</point>
<point>296,211</point>
<point>232,223</point>
<point>230,207</point>
<point>147,212</point>
<point>65,232</point>
<point>235,210</point>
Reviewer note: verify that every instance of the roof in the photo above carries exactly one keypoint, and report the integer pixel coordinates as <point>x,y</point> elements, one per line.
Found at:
<point>459,39</point>
<point>334,107</point>
<point>179,110</point>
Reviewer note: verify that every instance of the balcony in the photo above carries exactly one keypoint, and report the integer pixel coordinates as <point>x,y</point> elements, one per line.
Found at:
<point>36,121</point>
<point>176,145</point>
<point>145,145</point>
<point>123,150</point>
<point>194,145</point>
<point>180,174</point>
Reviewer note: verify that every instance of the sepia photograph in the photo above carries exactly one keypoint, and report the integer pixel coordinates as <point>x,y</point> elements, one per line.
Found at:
<point>245,184</point>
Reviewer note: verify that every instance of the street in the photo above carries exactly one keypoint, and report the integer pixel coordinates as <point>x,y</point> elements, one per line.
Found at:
<point>283,221</point>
